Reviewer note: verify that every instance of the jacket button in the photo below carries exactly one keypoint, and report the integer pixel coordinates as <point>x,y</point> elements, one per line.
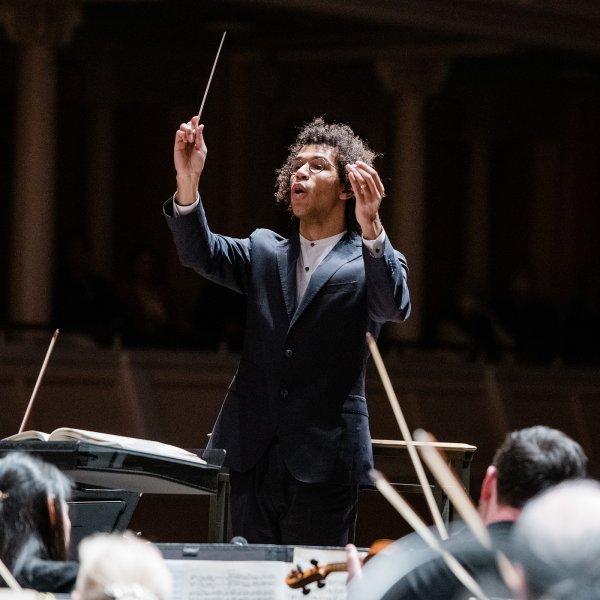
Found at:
<point>289,353</point>
<point>283,393</point>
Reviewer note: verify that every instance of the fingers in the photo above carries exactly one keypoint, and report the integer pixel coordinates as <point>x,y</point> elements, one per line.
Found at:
<point>353,562</point>
<point>189,151</point>
<point>190,133</point>
<point>365,181</point>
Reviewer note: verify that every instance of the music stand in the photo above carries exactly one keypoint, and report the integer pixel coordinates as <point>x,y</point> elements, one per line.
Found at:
<point>99,511</point>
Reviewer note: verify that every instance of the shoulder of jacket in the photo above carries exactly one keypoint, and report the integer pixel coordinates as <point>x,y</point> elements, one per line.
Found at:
<point>267,235</point>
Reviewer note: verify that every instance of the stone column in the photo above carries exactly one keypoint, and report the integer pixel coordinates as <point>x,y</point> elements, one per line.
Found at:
<point>411,82</point>
<point>37,27</point>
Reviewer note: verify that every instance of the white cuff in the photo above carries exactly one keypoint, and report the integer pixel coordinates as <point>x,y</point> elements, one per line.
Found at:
<point>180,210</point>
<point>375,247</point>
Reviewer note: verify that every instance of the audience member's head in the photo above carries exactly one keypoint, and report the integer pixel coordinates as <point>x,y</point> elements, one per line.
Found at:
<point>528,462</point>
<point>121,567</point>
<point>34,515</point>
<point>558,543</point>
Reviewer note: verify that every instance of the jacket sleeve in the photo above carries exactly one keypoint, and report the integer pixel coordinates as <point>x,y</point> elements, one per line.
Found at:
<point>387,285</point>
<point>221,259</point>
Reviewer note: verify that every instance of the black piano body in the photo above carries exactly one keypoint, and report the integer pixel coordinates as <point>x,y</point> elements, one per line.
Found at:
<point>110,480</point>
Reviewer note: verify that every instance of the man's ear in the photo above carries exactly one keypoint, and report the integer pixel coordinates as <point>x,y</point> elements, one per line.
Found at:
<point>488,487</point>
<point>346,195</point>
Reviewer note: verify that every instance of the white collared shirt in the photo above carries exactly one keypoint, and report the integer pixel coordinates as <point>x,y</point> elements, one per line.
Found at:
<point>311,256</point>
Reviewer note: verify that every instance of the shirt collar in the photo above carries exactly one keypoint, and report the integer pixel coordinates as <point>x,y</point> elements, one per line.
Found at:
<point>328,241</point>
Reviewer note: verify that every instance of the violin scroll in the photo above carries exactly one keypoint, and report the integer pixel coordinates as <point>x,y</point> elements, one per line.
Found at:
<point>297,578</point>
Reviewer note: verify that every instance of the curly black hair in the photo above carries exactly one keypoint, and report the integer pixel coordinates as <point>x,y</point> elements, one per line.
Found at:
<point>348,149</point>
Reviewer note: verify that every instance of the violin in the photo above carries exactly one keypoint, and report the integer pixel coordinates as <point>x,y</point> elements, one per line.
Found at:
<point>297,578</point>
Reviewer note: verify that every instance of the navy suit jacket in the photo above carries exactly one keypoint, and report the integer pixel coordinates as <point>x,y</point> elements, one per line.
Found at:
<point>301,376</point>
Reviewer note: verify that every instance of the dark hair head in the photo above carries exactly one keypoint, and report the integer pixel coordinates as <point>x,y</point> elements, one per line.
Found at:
<point>348,149</point>
<point>26,485</point>
<point>533,459</point>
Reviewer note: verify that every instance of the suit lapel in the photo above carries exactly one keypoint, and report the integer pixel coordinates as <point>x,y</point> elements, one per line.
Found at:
<point>287,256</point>
<point>347,249</point>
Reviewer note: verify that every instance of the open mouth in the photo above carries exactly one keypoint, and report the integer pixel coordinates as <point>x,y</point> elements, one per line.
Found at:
<point>298,189</point>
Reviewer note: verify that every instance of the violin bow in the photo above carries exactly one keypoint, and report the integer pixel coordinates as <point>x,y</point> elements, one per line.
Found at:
<point>449,482</point>
<point>8,577</point>
<point>39,380</point>
<point>411,517</point>
<point>410,446</point>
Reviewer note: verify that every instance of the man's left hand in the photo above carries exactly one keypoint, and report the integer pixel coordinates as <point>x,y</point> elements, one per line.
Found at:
<point>368,191</point>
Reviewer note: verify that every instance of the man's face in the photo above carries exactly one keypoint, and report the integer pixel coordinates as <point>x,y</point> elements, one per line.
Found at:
<point>317,193</point>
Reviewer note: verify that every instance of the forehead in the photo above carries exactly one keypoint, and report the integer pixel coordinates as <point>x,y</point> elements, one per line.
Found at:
<point>311,150</point>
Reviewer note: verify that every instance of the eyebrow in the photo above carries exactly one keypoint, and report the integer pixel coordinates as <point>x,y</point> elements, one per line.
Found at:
<point>312,155</point>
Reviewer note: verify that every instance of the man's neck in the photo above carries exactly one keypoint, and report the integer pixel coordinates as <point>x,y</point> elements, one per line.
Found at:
<point>501,513</point>
<point>314,231</point>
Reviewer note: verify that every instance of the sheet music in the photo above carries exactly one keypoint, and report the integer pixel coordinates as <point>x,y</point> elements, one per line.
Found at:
<point>228,580</point>
<point>253,580</point>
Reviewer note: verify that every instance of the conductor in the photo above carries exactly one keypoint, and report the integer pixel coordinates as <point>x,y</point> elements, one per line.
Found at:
<point>294,421</point>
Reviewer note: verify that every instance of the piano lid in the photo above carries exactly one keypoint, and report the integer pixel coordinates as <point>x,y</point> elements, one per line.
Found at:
<point>111,467</point>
